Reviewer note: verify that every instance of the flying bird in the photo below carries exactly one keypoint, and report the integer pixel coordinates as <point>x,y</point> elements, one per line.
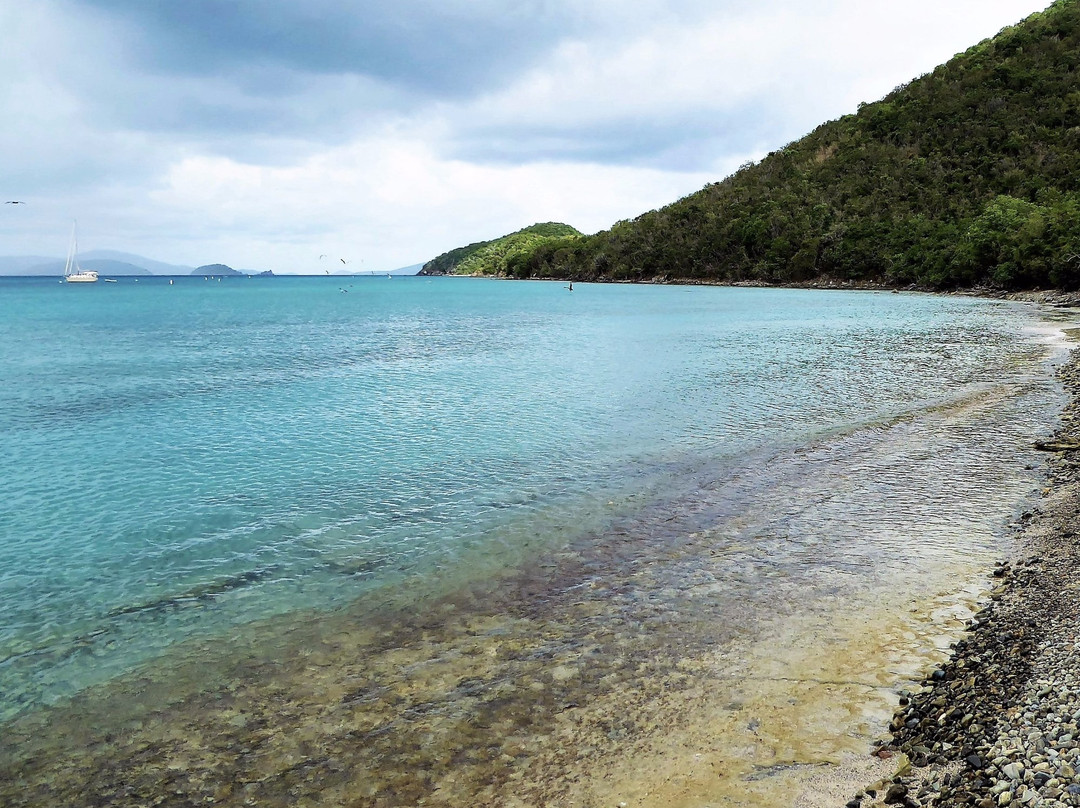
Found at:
<point>15,202</point>
<point>321,257</point>
<point>342,260</point>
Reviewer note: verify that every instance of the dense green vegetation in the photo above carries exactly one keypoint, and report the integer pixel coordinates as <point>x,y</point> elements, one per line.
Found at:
<point>499,256</point>
<point>968,175</point>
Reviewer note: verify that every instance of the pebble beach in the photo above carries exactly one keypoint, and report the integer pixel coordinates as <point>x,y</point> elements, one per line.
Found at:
<point>999,724</point>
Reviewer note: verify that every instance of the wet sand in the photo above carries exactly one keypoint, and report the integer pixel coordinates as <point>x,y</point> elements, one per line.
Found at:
<point>652,665</point>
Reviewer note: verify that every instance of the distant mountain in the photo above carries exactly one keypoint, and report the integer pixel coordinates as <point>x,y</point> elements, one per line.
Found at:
<point>23,264</point>
<point>154,267</point>
<point>106,267</point>
<point>101,266</point>
<point>215,269</point>
<point>105,262</point>
<point>498,256</point>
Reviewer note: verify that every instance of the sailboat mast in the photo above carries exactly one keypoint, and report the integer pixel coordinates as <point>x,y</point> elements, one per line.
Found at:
<point>73,249</point>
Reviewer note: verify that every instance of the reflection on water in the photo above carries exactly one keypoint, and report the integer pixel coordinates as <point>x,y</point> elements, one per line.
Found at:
<point>744,626</point>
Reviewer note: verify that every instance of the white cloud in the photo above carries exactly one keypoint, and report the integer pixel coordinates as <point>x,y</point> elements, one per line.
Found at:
<point>389,202</point>
<point>757,78</point>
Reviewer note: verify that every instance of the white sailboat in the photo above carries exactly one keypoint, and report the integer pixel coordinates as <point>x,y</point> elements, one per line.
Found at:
<point>73,273</point>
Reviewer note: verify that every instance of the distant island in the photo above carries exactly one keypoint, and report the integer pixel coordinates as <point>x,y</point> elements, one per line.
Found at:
<point>215,270</point>
<point>500,256</point>
<point>113,263</point>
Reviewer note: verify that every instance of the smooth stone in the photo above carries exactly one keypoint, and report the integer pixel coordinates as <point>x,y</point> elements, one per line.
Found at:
<point>1014,771</point>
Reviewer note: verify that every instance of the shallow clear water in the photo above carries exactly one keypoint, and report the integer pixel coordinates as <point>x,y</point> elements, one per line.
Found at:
<point>182,459</point>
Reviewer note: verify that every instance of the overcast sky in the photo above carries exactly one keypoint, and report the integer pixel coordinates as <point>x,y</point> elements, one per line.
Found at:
<point>264,133</point>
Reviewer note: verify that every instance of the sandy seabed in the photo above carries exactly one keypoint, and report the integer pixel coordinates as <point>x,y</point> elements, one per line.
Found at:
<point>655,666</point>
<point>472,709</point>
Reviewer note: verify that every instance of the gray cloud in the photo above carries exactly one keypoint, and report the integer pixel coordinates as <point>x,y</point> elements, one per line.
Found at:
<point>687,140</point>
<point>275,79</point>
<point>447,48</point>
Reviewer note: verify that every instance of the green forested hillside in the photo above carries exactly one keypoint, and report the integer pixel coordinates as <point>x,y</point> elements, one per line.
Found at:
<point>498,256</point>
<point>968,175</point>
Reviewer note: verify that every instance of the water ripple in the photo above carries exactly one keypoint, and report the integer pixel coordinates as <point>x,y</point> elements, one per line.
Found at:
<point>181,460</point>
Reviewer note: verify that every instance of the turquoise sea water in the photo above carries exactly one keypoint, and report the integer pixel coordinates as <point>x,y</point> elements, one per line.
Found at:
<point>181,459</point>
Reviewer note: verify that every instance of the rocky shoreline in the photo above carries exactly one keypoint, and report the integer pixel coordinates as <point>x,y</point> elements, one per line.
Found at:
<point>999,724</point>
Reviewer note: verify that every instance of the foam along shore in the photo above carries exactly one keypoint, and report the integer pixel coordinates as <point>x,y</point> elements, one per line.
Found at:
<point>999,723</point>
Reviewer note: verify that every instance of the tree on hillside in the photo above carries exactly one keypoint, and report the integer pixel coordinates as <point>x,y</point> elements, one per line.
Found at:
<point>966,175</point>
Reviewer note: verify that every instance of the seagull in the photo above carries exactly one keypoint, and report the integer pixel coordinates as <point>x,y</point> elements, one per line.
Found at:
<point>321,257</point>
<point>342,260</point>
<point>14,202</point>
